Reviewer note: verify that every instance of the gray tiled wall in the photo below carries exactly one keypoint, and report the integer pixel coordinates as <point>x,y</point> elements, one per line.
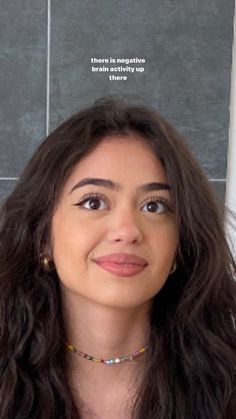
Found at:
<point>187,46</point>
<point>22,85</point>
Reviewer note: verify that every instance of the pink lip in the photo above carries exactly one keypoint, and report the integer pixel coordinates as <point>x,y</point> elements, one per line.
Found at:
<point>122,264</point>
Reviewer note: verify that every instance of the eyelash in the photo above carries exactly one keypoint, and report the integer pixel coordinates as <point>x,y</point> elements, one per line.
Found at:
<point>102,197</point>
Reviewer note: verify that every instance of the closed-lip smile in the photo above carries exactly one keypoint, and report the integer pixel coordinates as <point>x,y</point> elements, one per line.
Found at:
<point>122,264</point>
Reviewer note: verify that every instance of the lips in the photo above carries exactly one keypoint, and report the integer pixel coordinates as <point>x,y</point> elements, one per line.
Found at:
<point>122,264</point>
<point>122,258</point>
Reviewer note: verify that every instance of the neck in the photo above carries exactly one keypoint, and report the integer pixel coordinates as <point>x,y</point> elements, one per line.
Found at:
<point>103,332</point>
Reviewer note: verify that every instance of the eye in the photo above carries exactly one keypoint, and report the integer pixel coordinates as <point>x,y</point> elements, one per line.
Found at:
<point>156,205</point>
<point>93,202</point>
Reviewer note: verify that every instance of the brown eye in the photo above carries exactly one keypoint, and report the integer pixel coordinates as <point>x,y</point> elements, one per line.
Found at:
<point>93,203</point>
<point>155,206</point>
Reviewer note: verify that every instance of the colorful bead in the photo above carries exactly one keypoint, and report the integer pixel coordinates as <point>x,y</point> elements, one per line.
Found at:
<point>107,361</point>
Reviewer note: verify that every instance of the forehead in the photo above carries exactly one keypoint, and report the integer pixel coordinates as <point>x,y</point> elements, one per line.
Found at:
<point>124,159</point>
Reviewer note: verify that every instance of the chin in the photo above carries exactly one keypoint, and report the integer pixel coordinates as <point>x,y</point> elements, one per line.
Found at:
<point>120,302</point>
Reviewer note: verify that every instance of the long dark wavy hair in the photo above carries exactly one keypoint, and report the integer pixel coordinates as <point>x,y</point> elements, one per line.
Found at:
<point>190,370</point>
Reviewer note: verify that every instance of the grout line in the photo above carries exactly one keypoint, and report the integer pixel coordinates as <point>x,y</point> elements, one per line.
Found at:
<point>9,178</point>
<point>217,180</point>
<point>48,65</point>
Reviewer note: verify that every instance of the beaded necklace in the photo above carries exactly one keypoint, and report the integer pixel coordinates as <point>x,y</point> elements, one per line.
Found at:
<point>110,361</point>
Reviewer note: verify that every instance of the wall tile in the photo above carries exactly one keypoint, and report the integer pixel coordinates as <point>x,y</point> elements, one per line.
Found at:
<point>23,82</point>
<point>219,189</point>
<point>187,47</point>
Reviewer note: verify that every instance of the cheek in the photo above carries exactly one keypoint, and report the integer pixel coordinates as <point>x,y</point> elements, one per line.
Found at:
<point>164,245</point>
<point>165,237</point>
<point>72,242</point>
<point>68,254</point>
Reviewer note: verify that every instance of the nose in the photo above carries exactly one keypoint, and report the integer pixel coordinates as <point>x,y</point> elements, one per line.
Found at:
<point>124,227</point>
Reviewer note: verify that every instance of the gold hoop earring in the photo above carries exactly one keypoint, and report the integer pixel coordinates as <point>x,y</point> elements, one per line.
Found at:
<point>173,269</point>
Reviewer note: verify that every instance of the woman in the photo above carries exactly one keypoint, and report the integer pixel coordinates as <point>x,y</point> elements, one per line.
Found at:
<point>117,294</point>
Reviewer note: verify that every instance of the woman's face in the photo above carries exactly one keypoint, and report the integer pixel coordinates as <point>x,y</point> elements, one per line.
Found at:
<point>114,235</point>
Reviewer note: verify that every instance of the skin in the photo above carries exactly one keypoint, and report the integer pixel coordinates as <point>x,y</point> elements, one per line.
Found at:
<point>107,315</point>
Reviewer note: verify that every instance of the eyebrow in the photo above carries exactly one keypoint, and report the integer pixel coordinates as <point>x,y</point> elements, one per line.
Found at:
<point>109,184</point>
